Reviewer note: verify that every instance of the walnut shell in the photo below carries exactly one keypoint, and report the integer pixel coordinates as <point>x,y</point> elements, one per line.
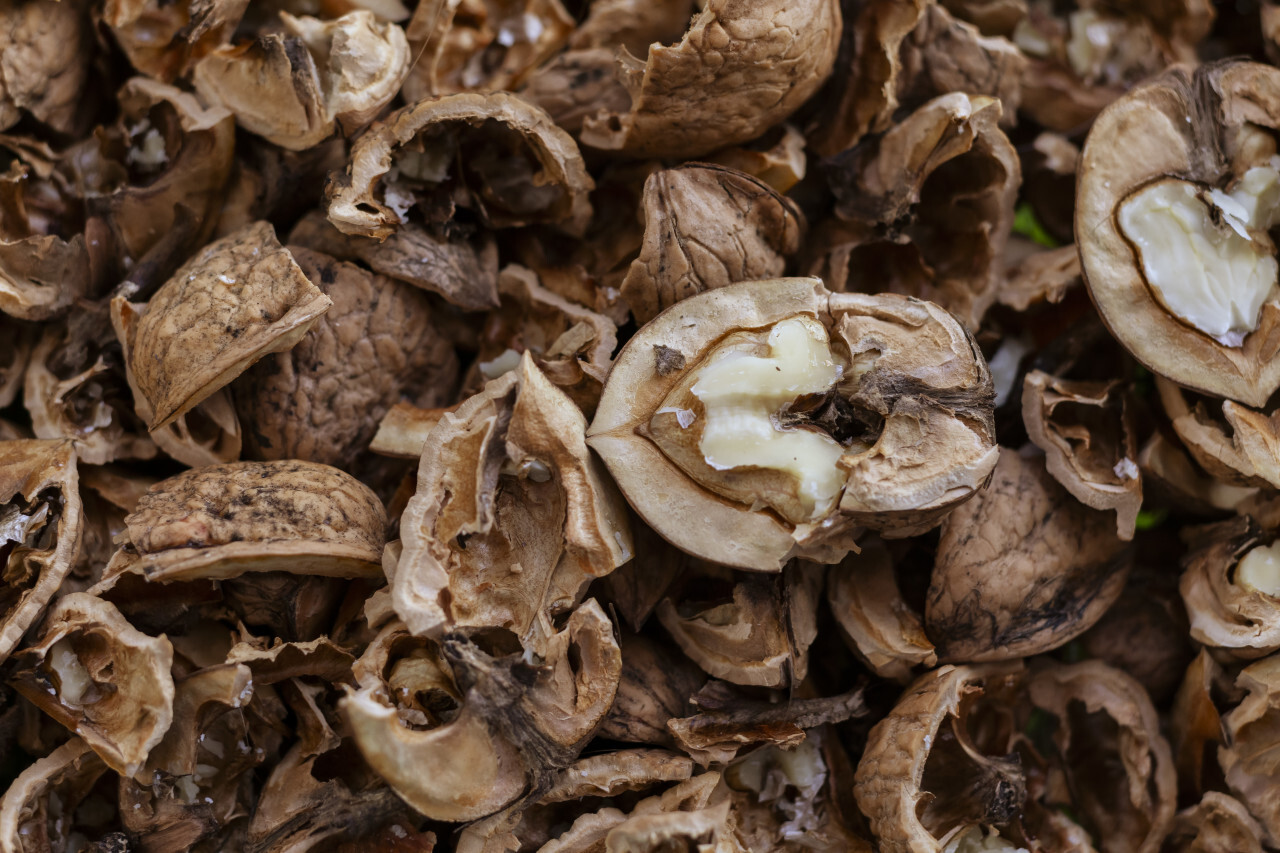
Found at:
<point>97,675</point>
<point>237,300</point>
<point>45,793</point>
<point>528,170</point>
<point>380,342</point>
<point>538,522</point>
<point>223,520</point>
<point>41,520</point>
<point>1245,757</point>
<point>742,67</point>
<point>1226,614</point>
<point>1021,569</point>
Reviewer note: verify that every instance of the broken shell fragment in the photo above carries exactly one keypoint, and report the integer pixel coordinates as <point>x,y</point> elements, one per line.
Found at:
<point>705,227</point>
<point>538,523</point>
<point>855,379</point>
<point>37,804</point>
<point>97,675</point>
<point>224,520</point>
<point>512,164</point>
<point>1231,589</point>
<point>1084,429</point>
<point>1022,568</point>
<point>742,67</point>
<point>237,300</point>
<point>40,530</point>
<point>293,87</point>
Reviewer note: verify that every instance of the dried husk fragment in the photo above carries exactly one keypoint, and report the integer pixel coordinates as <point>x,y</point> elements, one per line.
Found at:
<point>1225,99</point>
<point>571,344</point>
<point>1022,568</point>
<point>293,88</point>
<point>481,45</point>
<point>47,49</point>
<point>922,775</point>
<point>759,636</point>
<point>224,520</point>
<point>379,343</point>
<point>509,161</point>
<point>40,530</point>
<point>512,517</point>
<point>162,39</point>
<point>925,209</point>
<point>1226,613</point>
<point>1240,448</point>
<point>239,299</point>
<point>1248,756</point>
<point>1216,824</point>
<point>515,723</point>
<point>465,273</point>
<point>178,191</point>
<point>909,457</point>
<point>877,623</point>
<point>1085,431</point>
<point>73,389</point>
<point>102,679</point>
<point>705,227</point>
<point>1119,767</point>
<point>36,809</point>
<point>742,67</point>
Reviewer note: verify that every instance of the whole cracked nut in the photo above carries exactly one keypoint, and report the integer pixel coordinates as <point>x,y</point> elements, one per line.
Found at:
<point>1173,243</point>
<point>856,411</point>
<point>1022,568</point>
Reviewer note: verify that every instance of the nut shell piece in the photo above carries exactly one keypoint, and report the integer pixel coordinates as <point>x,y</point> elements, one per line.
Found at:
<point>1021,569</point>
<point>40,517</point>
<point>239,298</point>
<point>890,783</point>
<point>512,517</point>
<point>67,773</point>
<point>97,675</point>
<point>1182,122</point>
<point>707,226</point>
<point>1224,613</point>
<point>1216,824</point>
<point>1247,757</point>
<point>919,372</point>
<point>293,88</point>
<point>561,180</point>
<point>223,520</point>
<point>743,66</point>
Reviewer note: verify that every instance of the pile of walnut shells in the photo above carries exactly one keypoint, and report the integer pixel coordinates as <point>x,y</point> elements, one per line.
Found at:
<point>600,426</point>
